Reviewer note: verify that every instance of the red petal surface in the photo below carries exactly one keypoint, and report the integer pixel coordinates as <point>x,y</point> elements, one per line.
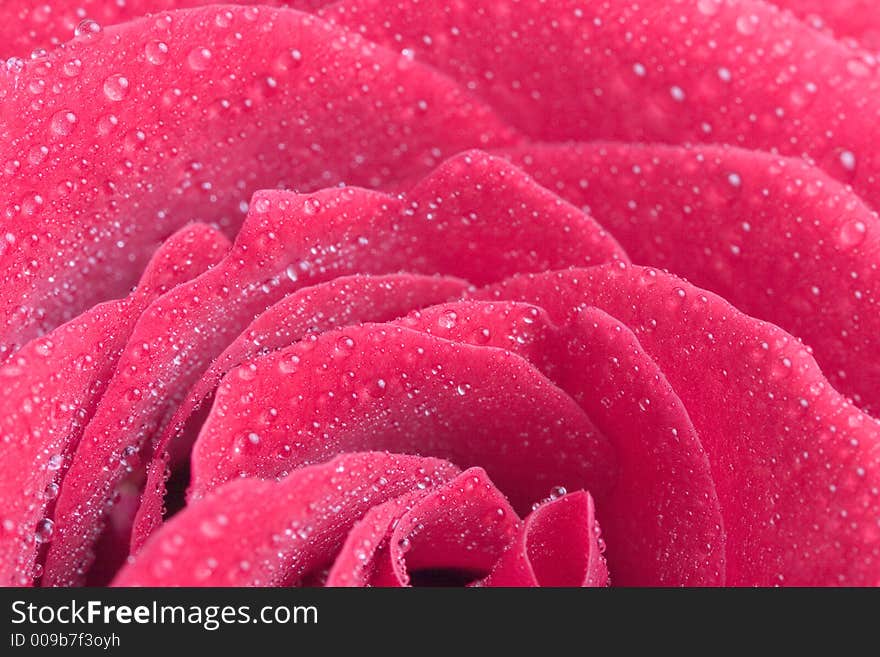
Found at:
<point>302,523</point>
<point>382,387</point>
<point>356,562</point>
<point>774,236</point>
<point>661,516</point>
<point>28,25</point>
<point>559,545</point>
<point>238,102</point>
<point>462,526</point>
<point>341,302</point>
<point>50,390</point>
<point>715,448</point>
<point>795,465</point>
<point>290,240</point>
<point>857,20</point>
<point>741,72</point>
<point>112,549</point>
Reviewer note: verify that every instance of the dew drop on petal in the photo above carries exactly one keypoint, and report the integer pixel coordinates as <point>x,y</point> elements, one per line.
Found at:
<point>45,529</point>
<point>14,65</point>
<point>156,52</point>
<point>708,7</point>
<point>63,122</point>
<point>852,234</point>
<point>747,25</point>
<point>88,30</point>
<point>116,87</point>
<point>858,68</point>
<point>51,491</point>
<point>72,67</point>
<point>199,59</point>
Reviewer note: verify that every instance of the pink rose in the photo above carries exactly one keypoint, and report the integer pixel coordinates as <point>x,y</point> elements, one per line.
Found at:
<point>397,293</point>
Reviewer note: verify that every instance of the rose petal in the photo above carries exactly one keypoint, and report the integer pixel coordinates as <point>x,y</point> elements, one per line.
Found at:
<point>253,115</point>
<point>302,523</point>
<point>558,545</point>
<point>340,302</point>
<point>462,526</point>
<point>384,387</point>
<point>52,386</point>
<point>853,19</point>
<point>290,240</point>
<point>112,549</point>
<point>356,561</point>
<point>795,465</point>
<point>25,26</point>
<point>661,516</point>
<point>740,73</point>
<point>774,236</point>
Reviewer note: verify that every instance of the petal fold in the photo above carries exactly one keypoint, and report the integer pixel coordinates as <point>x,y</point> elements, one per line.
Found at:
<point>302,523</point>
<point>559,545</point>
<point>254,114</point>
<point>52,386</point>
<point>795,465</point>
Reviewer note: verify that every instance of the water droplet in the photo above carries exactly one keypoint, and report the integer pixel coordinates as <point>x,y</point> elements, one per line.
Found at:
<point>639,69</point>
<point>447,319</point>
<point>72,68</point>
<point>344,344</point>
<point>205,569</point>
<point>55,461</point>
<point>224,19</point>
<point>380,388</point>
<point>677,93</point>
<point>63,122</point>
<point>51,491</point>
<point>116,87</point>
<point>747,25</point>
<point>31,205</point>
<point>288,364</point>
<point>156,52</point>
<point>858,68</point>
<point>848,160</point>
<point>852,234</point>
<point>106,124</point>
<point>88,30</point>
<point>558,491</point>
<point>126,456</point>
<point>199,59</point>
<point>708,7</point>
<point>45,529</point>
<point>15,65</point>
<point>43,347</point>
